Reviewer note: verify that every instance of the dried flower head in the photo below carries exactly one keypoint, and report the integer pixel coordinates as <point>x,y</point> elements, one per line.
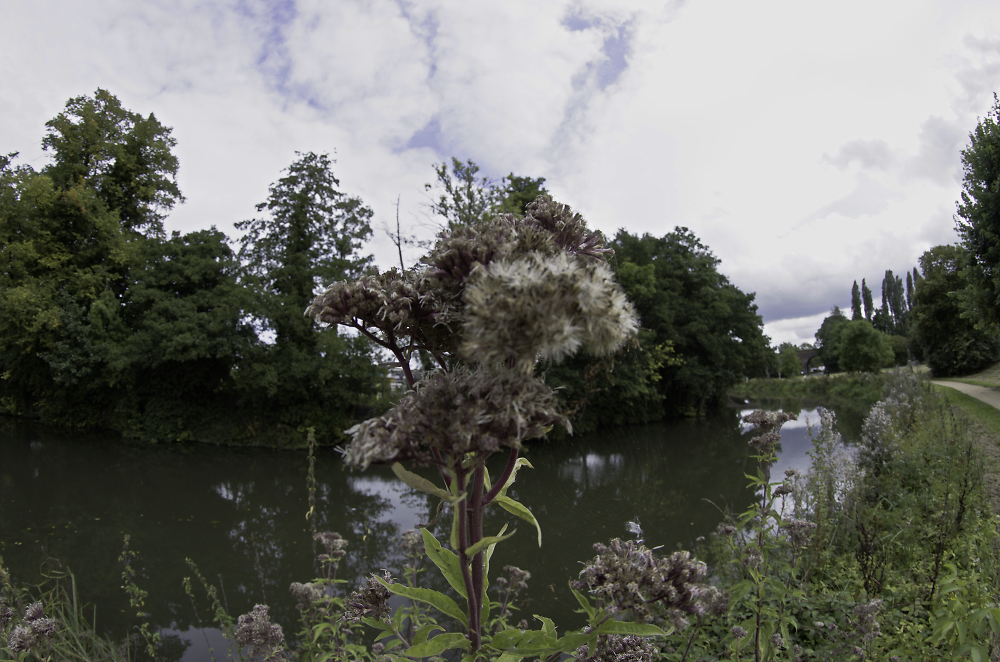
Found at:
<point>725,529</point>
<point>768,424</point>
<point>457,413</point>
<point>370,600</point>
<point>543,306</point>
<point>306,595</point>
<point>783,489</point>
<point>256,630</point>
<point>333,543</point>
<point>631,580</point>
<point>619,648</point>
<point>738,632</point>
<point>413,543</point>
<point>798,531</point>
<point>34,631</point>
<point>518,578</point>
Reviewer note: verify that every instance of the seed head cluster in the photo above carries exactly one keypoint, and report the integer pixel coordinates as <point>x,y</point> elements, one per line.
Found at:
<point>768,425</point>
<point>630,579</point>
<point>256,630</point>
<point>619,648</point>
<point>494,297</point>
<point>33,631</point>
<point>456,413</point>
<point>371,600</point>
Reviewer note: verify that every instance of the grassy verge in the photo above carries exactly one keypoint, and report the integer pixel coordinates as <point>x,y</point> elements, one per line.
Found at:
<point>856,391</point>
<point>986,414</point>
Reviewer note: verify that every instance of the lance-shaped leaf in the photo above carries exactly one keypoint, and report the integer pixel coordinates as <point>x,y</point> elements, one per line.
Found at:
<point>486,542</point>
<point>588,608</point>
<point>439,601</point>
<point>516,508</point>
<point>521,462</point>
<point>439,644</point>
<point>446,561</point>
<point>421,484</point>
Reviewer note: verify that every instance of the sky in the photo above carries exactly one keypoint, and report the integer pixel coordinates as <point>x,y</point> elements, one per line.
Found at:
<point>808,145</point>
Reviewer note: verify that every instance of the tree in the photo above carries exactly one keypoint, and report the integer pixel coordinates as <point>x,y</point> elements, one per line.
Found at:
<point>863,348</point>
<point>788,361</point>
<point>828,338</point>
<point>185,312</point>
<point>69,236</point>
<point>311,237</point>
<point>464,197</point>
<point>519,192</point>
<point>866,295</point>
<point>952,342</point>
<point>979,209</point>
<point>712,326</point>
<point>856,302</point>
<point>123,157</point>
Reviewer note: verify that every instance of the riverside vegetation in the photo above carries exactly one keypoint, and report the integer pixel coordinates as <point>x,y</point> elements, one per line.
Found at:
<point>887,552</point>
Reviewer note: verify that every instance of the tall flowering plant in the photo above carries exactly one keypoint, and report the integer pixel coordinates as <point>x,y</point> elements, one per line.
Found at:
<point>486,304</point>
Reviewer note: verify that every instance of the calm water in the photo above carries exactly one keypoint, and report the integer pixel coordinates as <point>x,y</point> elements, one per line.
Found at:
<point>240,514</point>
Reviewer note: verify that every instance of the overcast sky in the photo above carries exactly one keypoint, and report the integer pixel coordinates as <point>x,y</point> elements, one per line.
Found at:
<point>807,144</point>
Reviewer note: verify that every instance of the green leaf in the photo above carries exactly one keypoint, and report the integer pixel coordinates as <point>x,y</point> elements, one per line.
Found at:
<point>516,508</point>
<point>585,603</point>
<point>574,640</point>
<point>453,540</point>
<point>423,485</point>
<point>548,627</point>
<point>626,627</point>
<point>489,555</point>
<point>377,624</point>
<point>521,462</point>
<point>424,632</point>
<point>486,542</point>
<point>530,642</point>
<point>438,645</point>
<point>439,601</point>
<point>446,561</point>
<point>509,657</point>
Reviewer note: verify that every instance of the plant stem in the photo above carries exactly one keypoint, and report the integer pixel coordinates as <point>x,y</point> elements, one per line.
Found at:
<point>502,478</point>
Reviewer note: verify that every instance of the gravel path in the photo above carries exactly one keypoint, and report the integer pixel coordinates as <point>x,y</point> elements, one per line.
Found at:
<point>988,395</point>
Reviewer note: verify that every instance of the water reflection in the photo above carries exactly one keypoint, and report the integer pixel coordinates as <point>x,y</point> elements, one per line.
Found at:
<point>240,515</point>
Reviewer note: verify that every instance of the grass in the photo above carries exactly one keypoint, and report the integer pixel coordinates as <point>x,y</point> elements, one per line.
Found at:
<point>988,377</point>
<point>986,414</point>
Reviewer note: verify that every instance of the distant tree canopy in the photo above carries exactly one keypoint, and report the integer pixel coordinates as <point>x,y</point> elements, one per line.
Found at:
<point>952,342</point>
<point>463,196</point>
<point>863,348</point>
<point>828,338</point>
<point>106,322</point>
<point>712,326</point>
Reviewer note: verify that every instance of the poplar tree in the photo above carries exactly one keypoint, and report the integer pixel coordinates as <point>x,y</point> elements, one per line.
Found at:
<point>866,295</point>
<point>856,302</point>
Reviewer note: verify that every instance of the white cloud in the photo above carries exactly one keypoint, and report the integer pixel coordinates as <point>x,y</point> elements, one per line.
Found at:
<point>739,120</point>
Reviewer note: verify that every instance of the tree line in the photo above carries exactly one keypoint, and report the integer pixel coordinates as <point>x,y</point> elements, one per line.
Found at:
<point>947,312</point>
<point>106,321</point>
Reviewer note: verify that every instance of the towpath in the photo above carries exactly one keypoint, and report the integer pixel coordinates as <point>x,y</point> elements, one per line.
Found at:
<point>988,395</point>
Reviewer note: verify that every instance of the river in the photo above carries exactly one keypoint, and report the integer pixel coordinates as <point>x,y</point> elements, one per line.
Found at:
<point>239,514</point>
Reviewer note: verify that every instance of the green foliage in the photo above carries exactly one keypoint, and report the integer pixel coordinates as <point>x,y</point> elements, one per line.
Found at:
<point>856,313</point>
<point>828,338</point>
<point>465,198</point>
<point>788,361</point>
<point>979,209</point>
<point>866,295</point>
<point>952,342</point>
<point>712,327</point>
<point>862,348</point>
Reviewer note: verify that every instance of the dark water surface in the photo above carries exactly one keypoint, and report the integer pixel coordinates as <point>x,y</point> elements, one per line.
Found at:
<point>240,514</point>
